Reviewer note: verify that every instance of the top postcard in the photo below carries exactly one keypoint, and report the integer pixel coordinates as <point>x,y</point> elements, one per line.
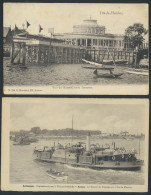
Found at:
<point>76,48</point>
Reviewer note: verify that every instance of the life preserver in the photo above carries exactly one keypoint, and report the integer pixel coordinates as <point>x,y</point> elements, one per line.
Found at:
<point>129,155</point>
<point>113,157</point>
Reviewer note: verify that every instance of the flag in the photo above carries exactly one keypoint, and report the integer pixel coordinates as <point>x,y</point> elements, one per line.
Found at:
<point>27,23</point>
<point>40,28</point>
<point>16,28</point>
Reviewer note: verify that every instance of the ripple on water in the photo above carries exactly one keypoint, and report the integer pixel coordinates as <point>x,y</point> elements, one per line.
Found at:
<point>23,169</point>
<point>62,74</point>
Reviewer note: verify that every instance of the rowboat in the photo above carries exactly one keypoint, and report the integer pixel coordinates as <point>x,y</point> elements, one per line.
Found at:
<point>107,62</point>
<point>56,174</point>
<point>120,62</point>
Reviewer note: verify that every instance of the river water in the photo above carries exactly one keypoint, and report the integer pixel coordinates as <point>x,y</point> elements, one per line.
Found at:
<point>62,74</point>
<point>25,170</point>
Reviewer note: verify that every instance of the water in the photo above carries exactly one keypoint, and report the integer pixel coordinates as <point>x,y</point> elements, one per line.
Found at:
<point>23,169</point>
<point>62,74</point>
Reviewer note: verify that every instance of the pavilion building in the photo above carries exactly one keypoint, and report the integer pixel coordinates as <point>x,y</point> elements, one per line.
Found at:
<point>91,35</point>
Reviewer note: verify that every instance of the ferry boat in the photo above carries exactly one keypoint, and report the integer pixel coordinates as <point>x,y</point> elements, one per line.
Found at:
<point>80,156</point>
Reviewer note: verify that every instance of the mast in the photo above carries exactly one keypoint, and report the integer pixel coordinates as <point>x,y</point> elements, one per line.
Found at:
<point>72,130</point>
<point>72,122</point>
<point>139,148</point>
<point>111,56</point>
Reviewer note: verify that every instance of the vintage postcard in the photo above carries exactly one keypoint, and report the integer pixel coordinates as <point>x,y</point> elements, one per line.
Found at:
<point>94,145</point>
<point>76,48</point>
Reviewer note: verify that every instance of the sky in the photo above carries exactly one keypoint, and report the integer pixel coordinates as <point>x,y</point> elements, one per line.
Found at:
<point>109,118</point>
<point>115,17</point>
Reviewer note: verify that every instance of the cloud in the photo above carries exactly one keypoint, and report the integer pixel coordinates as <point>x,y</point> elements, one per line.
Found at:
<point>107,118</point>
<point>110,119</point>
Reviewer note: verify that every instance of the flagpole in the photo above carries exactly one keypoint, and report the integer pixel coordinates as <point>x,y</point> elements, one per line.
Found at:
<point>27,25</point>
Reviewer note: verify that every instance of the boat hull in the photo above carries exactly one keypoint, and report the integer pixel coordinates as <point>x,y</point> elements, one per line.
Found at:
<point>112,76</point>
<point>127,166</point>
<point>138,73</point>
<point>56,177</point>
<point>23,144</point>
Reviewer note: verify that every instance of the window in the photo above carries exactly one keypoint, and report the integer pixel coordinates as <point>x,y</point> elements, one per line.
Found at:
<point>107,42</point>
<point>93,30</point>
<point>94,41</point>
<point>110,43</point>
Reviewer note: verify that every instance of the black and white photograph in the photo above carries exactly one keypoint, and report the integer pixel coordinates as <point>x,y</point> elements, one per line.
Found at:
<point>75,144</point>
<point>76,48</point>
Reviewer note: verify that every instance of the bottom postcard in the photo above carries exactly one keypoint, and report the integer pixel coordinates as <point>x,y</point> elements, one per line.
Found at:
<point>75,144</point>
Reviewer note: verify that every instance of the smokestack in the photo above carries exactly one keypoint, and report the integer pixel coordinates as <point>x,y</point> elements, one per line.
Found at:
<point>114,145</point>
<point>88,142</point>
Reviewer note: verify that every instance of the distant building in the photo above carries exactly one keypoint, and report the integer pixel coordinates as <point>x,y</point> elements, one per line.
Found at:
<point>124,133</point>
<point>91,35</point>
<point>7,35</point>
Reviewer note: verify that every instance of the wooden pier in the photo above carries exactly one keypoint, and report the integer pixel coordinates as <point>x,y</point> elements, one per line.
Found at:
<point>110,54</point>
<point>43,50</point>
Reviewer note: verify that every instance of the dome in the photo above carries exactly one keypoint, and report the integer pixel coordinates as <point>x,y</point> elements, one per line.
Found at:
<point>90,27</point>
<point>90,22</point>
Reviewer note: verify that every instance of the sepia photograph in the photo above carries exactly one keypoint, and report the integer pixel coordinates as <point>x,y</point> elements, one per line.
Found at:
<point>76,48</point>
<point>75,144</point>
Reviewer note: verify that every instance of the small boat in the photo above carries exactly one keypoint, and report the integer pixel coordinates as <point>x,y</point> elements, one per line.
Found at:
<point>56,174</point>
<point>109,75</point>
<point>121,61</point>
<point>128,138</point>
<point>138,72</point>
<point>22,144</point>
<point>107,62</point>
<point>142,69</point>
<point>97,66</point>
<point>92,63</point>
